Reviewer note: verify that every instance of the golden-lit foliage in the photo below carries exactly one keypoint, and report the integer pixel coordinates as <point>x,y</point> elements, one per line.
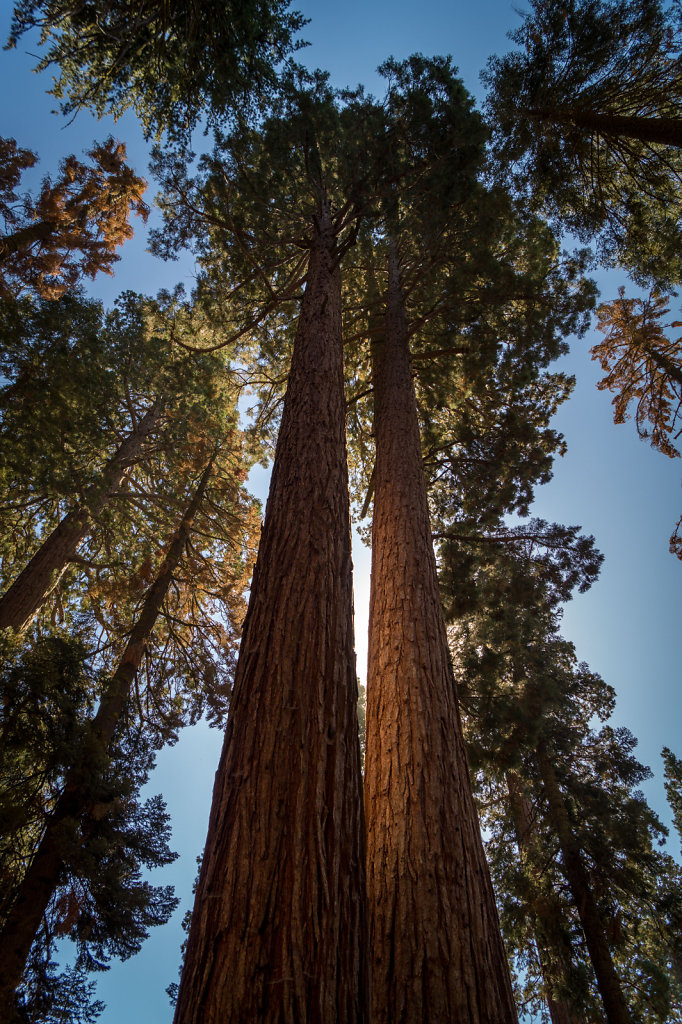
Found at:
<point>74,226</point>
<point>643,367</point>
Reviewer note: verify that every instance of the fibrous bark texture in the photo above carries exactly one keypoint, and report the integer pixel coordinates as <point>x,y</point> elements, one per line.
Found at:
<point>32,587</point>
<point>279,921</point>
<point>437,952</point>
<point>61,828</point>
<point>608,982</point>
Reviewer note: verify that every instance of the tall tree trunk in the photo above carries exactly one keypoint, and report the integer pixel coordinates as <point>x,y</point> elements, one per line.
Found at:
<point>542,909</point>
<point>608,983</point>
<point>664,130</point>
<point>72,808</point>
<point>22,600</point>
<point>279,922</point>
<point>437,952</point>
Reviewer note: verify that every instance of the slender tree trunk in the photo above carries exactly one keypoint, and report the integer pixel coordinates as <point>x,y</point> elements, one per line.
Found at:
<point>543,911</point>
<point>437,953</point>
<point>278,929</point>
<point>71,809</point>
<point>664,130</point>
<point>608,983</point>
<point>20,603</point>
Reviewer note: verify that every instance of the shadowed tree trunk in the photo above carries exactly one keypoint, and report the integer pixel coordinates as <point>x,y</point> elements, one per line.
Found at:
<point>25,237</point>
<point>437,952</point>
<point>608,983</point>
<point>20,603</point>
<point>279,921</point>
<point>667,131</point>
<point>542,910</point>
<point>72,808</point>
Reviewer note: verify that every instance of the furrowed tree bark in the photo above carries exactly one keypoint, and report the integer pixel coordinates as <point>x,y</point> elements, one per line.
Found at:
<point>279,921</point>
<point>667,131</point>
<point>72,808</point>
<point>437,952</point>
<point>22,600</point>
<point>608,982</point>
<point>542,910</point>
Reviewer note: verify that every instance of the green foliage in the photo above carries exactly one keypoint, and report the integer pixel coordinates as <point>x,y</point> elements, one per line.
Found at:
<point>51,996</point>
<point>520,686</point>
<point>673,786</point>
<point>102,901</point>
<point>172,62</point>
<point>577,59</point>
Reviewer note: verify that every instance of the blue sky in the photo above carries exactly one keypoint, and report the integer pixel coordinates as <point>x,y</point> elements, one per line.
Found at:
<point>610,482</point>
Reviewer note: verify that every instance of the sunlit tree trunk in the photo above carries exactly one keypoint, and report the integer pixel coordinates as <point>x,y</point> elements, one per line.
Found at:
<point>20,603</point>
<point>71,809</point>
<point>543,911</point>
<point>608,983</point>
<point>437,952</point>
<point>279,921</point>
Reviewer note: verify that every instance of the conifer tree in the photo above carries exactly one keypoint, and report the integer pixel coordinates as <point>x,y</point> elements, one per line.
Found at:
<point>433,147</point>
<point>75,802</point>
<point>436,948</point>
<point>113,382</point>
<point>34,584</point>
<point>589,109</point>
<point>592,833</point>
<point>284,860</point>
<point>673,786</point>
<point>643,368</point>
<point>102,902</point>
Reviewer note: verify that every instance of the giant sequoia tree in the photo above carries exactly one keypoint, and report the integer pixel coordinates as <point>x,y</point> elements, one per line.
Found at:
<point>436,948</point>
<point>474,296</point>
<point>279,924</point>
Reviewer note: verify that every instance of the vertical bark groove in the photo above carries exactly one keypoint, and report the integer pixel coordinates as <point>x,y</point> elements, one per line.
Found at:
<point>279,921</point>
<point>22,600</point>
<point>437,952</point>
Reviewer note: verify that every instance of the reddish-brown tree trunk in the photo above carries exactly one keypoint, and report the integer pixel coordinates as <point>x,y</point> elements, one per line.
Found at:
<point>278,929</point>
<point>437,953</point>
<point>608,982</point>
<point>22,600</point>
<point>47,867</point>
<point>664,130</point>
<point>542,909</point>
